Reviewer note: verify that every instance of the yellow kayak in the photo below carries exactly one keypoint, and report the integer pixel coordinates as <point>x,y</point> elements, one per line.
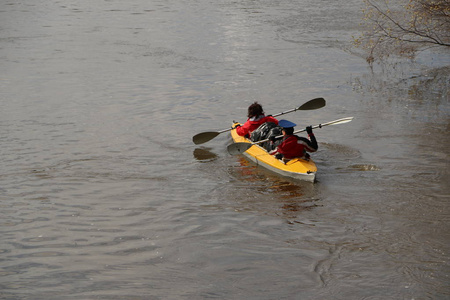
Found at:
<point>296,168</point>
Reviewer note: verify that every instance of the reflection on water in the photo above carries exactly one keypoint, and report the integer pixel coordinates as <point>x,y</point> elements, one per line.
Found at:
<point>271,193</point>
<point>204,154</point>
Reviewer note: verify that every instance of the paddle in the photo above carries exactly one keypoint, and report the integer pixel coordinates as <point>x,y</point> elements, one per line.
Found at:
<point>238,148</point>
<point>209,135</point>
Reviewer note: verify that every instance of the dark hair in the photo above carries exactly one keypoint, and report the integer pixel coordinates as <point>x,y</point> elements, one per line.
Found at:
<point>289,131</point>
<point>255,110</point>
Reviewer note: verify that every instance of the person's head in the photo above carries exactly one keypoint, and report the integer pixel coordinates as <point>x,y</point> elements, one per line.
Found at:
<point>287,127</point>
<point>288,131</point>
<point>255,110</point>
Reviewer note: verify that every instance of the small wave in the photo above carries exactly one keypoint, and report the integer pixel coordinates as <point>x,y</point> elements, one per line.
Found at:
<point>338,150</point>
<point>364,167</point>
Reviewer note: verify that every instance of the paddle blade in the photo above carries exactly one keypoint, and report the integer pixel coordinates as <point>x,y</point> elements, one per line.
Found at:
<point>204,137</point>
<point>340,121</point>
<point>313,104</point>
<point>238,148</point>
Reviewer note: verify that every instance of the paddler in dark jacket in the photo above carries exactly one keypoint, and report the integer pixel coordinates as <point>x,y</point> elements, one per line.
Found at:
<point>256,117</point>
<point>293,146</point>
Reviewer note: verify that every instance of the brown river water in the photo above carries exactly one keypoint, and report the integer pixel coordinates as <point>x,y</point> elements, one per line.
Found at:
<point>103,194</point>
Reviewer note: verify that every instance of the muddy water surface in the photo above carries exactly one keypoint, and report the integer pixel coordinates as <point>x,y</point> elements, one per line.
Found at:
<point>103,195</point>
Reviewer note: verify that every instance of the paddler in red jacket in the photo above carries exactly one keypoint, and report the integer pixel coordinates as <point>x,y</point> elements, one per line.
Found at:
<point>256,117</point>
<point>293,146</point>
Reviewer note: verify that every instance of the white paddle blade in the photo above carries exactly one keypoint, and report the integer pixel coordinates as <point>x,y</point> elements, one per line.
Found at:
<point>238,148</point>
<point>340,121</point>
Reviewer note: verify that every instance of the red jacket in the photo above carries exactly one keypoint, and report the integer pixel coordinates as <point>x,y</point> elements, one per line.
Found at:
<point>294,146</point>
<point>254,123</point>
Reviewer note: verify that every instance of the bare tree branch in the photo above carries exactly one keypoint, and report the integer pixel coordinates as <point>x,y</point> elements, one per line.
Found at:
<point>404,27</point>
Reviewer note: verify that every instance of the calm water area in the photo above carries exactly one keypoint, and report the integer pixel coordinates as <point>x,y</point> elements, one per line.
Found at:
<point>103,194</point>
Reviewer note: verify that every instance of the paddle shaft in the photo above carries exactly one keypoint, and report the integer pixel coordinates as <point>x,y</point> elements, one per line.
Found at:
<point>335,122</point>
<point>276,115</point>
<point>310,105</point>
<point>238,148</point>
<point>305,106</point>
